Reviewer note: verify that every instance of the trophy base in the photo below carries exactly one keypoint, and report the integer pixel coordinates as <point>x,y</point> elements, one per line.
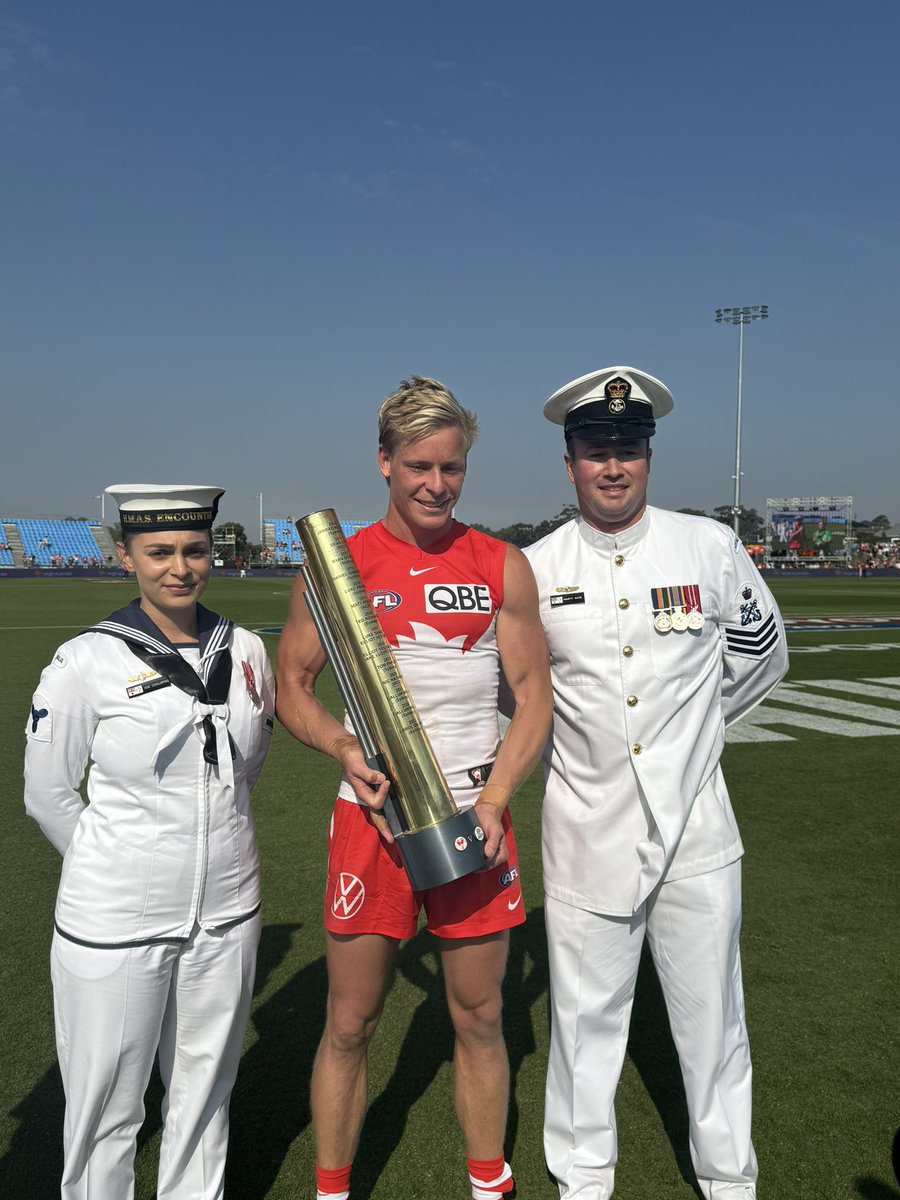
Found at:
<point>440,853</point>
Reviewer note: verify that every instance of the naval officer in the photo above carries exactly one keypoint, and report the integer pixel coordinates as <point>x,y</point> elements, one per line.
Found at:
<point>661,634</point>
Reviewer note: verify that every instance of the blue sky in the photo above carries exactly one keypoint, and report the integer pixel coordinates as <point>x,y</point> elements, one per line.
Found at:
<point>229,229</point>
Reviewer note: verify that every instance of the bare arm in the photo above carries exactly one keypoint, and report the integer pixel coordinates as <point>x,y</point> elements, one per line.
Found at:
<point>525,660</point>
<point>300,661</point>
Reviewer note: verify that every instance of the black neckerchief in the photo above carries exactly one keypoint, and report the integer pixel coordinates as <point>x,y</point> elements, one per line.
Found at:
<point>151,646</point>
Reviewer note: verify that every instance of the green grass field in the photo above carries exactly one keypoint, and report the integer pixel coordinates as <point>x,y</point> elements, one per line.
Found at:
<point>814,783</point>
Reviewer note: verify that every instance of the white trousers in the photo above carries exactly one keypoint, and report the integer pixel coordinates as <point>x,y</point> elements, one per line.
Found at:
<point>113,1009</point>
<point>693,927</point>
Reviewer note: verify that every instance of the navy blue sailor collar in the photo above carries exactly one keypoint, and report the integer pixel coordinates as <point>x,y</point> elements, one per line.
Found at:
<point>132,624</point>
<point>209,688</point>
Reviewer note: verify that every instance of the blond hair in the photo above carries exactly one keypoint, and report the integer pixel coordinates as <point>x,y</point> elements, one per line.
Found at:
<point>418,408</point>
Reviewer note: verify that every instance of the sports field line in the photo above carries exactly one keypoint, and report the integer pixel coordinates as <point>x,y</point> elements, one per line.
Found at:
<point>19,628</point>
<point>81,626</point>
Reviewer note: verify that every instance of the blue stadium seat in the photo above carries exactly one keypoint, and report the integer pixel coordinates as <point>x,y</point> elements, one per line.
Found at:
<point>287,540</point>
<point>44,538</point>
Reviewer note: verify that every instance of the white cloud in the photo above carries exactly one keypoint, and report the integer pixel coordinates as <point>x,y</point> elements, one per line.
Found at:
<point>493,85</point>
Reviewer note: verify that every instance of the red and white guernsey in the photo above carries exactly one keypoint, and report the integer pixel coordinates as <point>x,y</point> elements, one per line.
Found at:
<point>438,609</point>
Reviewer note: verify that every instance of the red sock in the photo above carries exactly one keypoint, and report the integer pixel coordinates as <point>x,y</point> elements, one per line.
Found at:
<point>489,1177</point>
<point>333,1185</point>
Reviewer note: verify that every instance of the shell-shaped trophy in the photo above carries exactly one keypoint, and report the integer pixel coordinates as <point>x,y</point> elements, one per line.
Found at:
<point>437,842</point>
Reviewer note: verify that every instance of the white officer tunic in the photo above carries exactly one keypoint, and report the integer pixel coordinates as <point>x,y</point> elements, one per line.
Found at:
<point>636,808</point>
<point>157,911</point>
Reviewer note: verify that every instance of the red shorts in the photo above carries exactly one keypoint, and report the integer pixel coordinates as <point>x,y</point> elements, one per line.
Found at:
<point>368,890</point>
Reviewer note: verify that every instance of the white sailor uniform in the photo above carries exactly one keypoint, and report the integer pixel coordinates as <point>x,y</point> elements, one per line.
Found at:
<point>157,915</point>
<point>659,635</point>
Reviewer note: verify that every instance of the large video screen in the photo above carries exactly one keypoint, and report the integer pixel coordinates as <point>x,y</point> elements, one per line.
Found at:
<point>808,533</point>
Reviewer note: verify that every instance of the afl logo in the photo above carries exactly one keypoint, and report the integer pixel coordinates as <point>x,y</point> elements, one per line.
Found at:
<point>349,895</point>
<point>509,877</point>
<point>385,601</point>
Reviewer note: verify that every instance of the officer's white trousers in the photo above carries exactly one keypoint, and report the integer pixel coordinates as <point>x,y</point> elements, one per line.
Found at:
<point>113,1009</point>
<point>693,927</point>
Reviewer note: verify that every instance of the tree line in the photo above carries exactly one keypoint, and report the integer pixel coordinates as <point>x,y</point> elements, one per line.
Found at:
<point>751,525</point>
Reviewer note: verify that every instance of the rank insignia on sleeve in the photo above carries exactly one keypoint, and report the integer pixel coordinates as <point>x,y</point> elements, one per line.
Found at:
<point>40,722</point>
<point>756,634</point>
<point>250,680</point>
<point>750,613</point>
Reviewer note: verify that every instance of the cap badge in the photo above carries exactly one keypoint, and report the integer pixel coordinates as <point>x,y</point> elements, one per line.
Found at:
<point>617,392</point>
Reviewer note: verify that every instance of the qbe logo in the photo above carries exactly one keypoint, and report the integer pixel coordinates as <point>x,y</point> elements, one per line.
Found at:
<point>385,601</point>
<point>349,895</point>
<point>458,597</point>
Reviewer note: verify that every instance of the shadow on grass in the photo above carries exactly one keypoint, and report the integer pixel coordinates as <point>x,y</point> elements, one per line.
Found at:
<point>428,1043</point>
<point>33,1164</point>
<point>527,980</point>
<point>277,1067</point>
<point>874,1189</point>
<point>427,1046</point>
<point>270,1104</point>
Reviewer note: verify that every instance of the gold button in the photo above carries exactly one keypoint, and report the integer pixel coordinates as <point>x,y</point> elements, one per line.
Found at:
<point>631,701</point>
<point>623,603</point>
<point>628,651</point>
<point>619,559</point>
<point>636,748</point>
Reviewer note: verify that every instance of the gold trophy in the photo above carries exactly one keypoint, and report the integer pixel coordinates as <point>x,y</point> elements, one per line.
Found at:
<point>437,842</point>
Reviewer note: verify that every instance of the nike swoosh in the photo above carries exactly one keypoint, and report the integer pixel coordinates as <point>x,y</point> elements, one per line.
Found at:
<point>511,904</point>
<point>421,570</point>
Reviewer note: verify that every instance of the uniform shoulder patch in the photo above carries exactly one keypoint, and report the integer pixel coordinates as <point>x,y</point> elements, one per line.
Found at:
<point>751,629</point>
<point>749,605</point>
<point>39,727</point>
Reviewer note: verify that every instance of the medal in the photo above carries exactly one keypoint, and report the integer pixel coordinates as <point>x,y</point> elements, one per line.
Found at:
<point>677,607</point>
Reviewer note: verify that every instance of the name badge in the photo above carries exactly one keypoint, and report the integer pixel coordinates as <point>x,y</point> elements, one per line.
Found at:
<point>567,598</point>
<point>151,685</point>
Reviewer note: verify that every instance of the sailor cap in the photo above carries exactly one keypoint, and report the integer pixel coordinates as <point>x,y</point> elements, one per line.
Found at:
<point>148,507</point>
<point>617,403</point>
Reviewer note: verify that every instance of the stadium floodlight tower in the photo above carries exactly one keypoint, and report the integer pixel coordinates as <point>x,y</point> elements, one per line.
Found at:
<point>740,317</point>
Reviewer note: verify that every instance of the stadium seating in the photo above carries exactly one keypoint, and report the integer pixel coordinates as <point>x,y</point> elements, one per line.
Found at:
<point>44,538</point>
<point>287,540</point>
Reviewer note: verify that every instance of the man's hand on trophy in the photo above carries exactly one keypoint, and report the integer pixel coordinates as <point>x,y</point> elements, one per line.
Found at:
<point>490,820</point>
<point>370,787</point>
